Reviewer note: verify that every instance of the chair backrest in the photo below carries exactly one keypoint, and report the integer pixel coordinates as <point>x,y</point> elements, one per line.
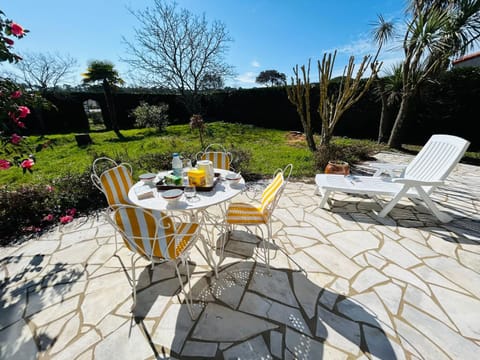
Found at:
<point>216,153</point>
<point>437,158</point>
<point>271,194</point>
<point>115,182</point>
<point>147,233</point>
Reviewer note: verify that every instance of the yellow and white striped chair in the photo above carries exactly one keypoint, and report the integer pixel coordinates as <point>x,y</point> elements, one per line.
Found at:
<point>156,239</point>
<point>115,180</point>
<point>246,214</point>
<point>216,153</point>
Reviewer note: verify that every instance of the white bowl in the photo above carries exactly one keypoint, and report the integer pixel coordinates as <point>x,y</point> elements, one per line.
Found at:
<point>233,177</point>
<point>172,195</point>
<point>148,177</point>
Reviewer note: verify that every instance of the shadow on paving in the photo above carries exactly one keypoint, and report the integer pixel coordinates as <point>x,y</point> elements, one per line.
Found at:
<point>250,313</point>
<point>462,229</point>
<point>19,290</point>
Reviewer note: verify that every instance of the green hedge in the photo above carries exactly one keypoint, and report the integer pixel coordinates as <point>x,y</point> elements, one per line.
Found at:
<point>444,106</point>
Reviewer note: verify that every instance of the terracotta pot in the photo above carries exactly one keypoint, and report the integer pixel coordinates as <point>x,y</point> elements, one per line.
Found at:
<point>337,167</point>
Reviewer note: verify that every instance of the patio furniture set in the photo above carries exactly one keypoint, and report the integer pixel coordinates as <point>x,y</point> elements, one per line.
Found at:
<point>161,231</point>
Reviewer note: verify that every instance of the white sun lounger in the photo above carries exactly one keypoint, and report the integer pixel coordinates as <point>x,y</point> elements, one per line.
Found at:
<point>418,180</point>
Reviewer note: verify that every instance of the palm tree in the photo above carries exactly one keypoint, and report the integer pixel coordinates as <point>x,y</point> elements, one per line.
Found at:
<point>389,90</point>
<point>382,33</point>
<point>436,31</point>
<point>104,72</point>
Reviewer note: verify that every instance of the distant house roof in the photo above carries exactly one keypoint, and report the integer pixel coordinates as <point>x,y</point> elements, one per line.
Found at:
<point>468,60</point>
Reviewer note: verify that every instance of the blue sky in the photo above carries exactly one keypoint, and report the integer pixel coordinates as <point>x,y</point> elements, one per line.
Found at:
<point>268,34</point>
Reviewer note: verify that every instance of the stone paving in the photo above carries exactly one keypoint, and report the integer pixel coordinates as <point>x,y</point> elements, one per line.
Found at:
<point>343,284</point>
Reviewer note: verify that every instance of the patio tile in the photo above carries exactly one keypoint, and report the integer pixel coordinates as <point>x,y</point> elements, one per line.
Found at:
<point>17,341</point>
<point>127,342</point>
<point>251,349</point>
<point>391,296</point>
<point>332,259</point>
<point>368,278</point>
<point>352,243</point>
<point>441,335</point>
<point>464,317</point>
<point>338,331</point>
<point>200,349</point>
<point>215,324</point>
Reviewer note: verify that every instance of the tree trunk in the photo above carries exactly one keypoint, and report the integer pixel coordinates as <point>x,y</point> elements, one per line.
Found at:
<point>385,124</point>
<point>395,140</point>
<point>111,108</point>
<point>326,137</point>
<point>310,140</point>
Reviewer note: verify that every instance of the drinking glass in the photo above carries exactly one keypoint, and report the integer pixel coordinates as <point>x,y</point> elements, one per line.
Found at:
<point>187,165</point>
<point>190,192</point>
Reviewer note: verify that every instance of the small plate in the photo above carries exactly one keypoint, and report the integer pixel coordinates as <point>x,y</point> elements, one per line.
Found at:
<point>147,177</point>
<point>172,194</point>
<point>233,177</point>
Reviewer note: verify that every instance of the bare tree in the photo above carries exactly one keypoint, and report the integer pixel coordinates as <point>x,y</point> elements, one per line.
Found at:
<point>40,71</point>
<point>352,87</point>
<point>176,48</point>
<point>299,95</point>
<point>332,105</point>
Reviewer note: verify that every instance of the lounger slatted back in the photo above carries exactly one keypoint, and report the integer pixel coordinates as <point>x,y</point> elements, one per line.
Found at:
<point>428,170</point>
<point>436,159</point>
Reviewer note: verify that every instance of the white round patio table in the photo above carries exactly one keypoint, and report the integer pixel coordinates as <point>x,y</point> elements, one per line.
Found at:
<point>223,191</point>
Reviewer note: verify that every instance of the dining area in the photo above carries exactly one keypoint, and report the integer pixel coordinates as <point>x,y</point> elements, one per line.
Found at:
<point>162,216</point>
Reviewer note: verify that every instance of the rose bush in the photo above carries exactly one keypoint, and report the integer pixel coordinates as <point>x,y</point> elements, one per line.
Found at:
<point>14,106</point>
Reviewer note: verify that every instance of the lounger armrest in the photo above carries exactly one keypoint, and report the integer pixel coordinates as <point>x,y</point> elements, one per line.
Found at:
<point>389,169</point>
<point>413,182</point>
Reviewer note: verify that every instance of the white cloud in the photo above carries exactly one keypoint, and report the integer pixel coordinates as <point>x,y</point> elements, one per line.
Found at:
<point>255,63</point>
<point>247,78</point>
<point>359,47</point>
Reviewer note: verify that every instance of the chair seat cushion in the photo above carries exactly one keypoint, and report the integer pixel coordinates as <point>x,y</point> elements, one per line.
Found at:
<point>244,213</point>
<point>185,233</point>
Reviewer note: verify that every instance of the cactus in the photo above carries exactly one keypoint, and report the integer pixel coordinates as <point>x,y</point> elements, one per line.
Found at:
<point>299,95</point>
<point>331,107</point>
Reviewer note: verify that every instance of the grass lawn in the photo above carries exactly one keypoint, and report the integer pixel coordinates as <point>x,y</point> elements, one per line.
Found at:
<point>269,150</point>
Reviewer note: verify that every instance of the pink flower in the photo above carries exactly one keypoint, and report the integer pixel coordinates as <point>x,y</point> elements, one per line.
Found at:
<point>4,164</point>
<point>32,228</point>
<point>16,94</point>
<point>15,139</point>
<point>16,29</point>
<point>27,163</point>
<point>71,211</point>
<point>48,217</point>
<point>49,188</point>
<point>66,219</point>
<point>12,116</point>
<point>20,124</point>
<point>24,111</point>
<point>8,41</point>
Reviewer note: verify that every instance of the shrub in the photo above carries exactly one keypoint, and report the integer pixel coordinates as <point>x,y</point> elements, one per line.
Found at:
<point>351,153</point>
<point>34,208</point>
<point>155,116</point>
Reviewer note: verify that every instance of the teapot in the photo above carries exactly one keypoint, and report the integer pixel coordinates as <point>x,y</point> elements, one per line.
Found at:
<point>207,166</point>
